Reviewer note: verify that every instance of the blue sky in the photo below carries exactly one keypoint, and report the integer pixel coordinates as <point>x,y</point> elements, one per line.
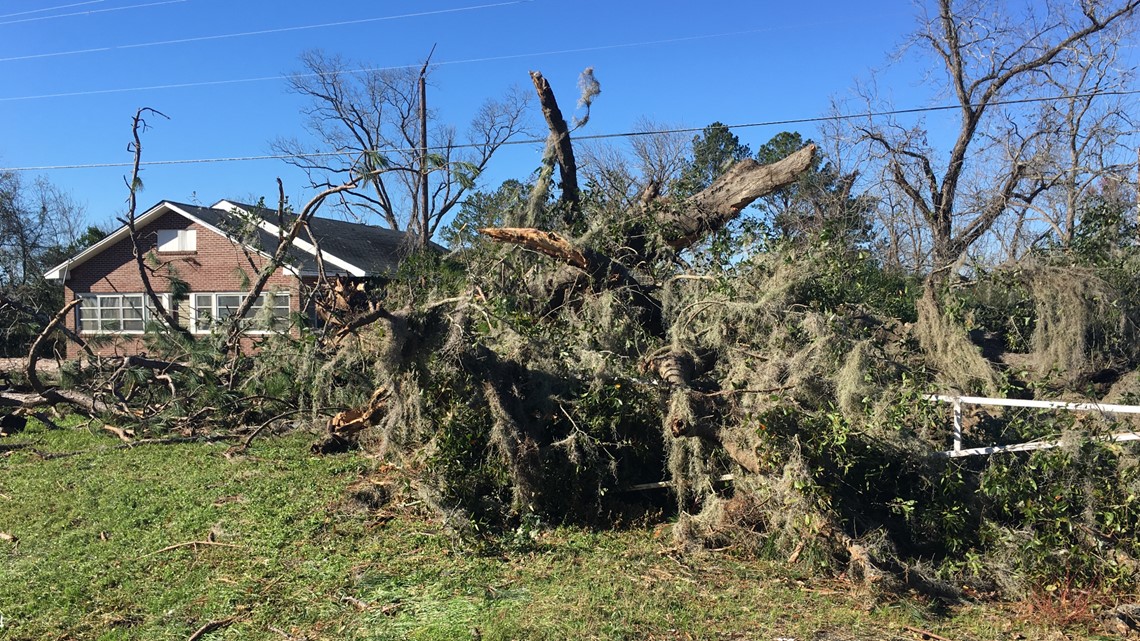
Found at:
<point>680,63</point>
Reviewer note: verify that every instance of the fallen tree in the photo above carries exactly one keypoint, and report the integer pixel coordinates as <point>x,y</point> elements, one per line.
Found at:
<point>567,370</point>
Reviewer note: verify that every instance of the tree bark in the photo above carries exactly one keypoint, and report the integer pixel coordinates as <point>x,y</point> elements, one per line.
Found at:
<point>604,272</point>
<point>717,205</point>
<point>563,149</point>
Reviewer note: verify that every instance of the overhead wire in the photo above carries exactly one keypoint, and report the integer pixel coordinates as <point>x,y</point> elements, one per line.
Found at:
<point>81,13</point>
<point>604,136</point>
<point>512,56</point>
<point>46,9</point>
<point>261,32</point>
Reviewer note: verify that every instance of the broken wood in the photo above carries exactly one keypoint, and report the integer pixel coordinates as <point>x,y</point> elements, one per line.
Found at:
<point>722,201</point>
<point>210,627</point>
<point>124,435</point>
<point>604,272</point>
<point>561,146</point>
<point>34,352</point>
<point>349,423</point>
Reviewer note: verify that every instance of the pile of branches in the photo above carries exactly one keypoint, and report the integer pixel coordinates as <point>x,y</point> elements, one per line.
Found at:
<point>570,363</point>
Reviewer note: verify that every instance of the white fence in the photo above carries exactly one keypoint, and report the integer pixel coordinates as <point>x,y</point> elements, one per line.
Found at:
<point>959,401</point>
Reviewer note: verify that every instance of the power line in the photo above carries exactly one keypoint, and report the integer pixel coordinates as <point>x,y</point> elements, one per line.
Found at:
<point>262,32</point>
<point>624,134</point>
<point>513,56</point>
<point>65,6</point>
<point>82,13</point>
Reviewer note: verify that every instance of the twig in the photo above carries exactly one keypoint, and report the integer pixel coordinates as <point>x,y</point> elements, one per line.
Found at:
<point>210,627</point>
<point>190,544</point>
<point>283,633</point>
<point>925,634</point>
<point>727,392</point>
<point>252,435</point>
<point>118,431</point>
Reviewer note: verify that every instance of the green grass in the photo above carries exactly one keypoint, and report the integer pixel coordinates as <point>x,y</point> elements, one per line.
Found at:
<point>299,559</point>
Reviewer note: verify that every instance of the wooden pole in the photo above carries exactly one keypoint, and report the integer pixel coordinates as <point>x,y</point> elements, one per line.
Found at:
<point>425,215</point>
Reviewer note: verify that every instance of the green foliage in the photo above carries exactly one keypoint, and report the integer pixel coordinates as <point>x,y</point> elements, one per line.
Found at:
<point>820,206</point>
<point>1065,517</point>
<point>480,209</point>
<point>714,150</point>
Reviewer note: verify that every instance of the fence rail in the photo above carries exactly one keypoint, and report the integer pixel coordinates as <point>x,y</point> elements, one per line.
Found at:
<point>958,401</point>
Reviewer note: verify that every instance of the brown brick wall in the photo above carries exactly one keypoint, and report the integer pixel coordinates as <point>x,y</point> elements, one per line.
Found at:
<point>216,266</point>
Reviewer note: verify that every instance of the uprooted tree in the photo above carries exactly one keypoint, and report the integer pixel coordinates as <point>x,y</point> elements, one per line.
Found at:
<point>564,361</point>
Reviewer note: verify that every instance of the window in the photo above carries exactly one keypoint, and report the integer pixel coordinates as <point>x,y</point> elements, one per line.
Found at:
<point>115,313</point>
<point>209,309</point>
<point>177,240</point>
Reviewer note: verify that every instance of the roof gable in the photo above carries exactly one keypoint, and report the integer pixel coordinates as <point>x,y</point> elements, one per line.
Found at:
<point>350,248</point>
<point>59,272</point>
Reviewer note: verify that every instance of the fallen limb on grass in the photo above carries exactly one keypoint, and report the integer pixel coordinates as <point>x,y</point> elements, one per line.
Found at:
<point>191,544</point>
<point>210,627</point>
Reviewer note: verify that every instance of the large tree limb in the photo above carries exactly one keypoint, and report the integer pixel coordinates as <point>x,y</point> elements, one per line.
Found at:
<point>604,272</point>
<point>33,353</point>
<point>560,141</point>
<point>134,185</point>
<point>722,201</point>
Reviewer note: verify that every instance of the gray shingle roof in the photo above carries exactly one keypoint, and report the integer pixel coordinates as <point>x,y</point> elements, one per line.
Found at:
<point>373,249</point>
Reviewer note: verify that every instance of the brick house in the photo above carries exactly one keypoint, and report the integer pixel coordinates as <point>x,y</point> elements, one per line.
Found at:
<point>202,260</point>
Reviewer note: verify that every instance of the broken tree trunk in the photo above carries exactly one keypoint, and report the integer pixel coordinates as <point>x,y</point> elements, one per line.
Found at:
<point>561,146</point>
<point>717,205</point>
<point>694,413</point>
<point>604,272</point>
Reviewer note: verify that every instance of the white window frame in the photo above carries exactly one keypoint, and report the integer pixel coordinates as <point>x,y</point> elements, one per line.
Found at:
<point>196,299</point>
<point>106,302</point>
<point>176,240</point>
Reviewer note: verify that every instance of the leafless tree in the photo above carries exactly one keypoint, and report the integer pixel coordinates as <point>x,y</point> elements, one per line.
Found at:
<point>986,57</point>
<point>619,173</point>
<point>39,225</point>
<point>35,219</point>
<point>368,119</point>
<point>1088,127</point>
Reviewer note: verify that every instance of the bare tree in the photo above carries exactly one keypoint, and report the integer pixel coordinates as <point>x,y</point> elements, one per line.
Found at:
<point>369,120</point>
<point>987,57</point>
<point>618,173</point>
<point>39,226</point>
<point>1088,127</point>
<point>35,219</point>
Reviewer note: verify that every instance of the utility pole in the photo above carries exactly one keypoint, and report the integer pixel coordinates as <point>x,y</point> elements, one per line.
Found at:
<point>425,215</point>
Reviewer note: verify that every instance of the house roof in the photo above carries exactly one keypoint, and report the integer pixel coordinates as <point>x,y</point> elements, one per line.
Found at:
<point>373,249</point>
<point>348,248</point>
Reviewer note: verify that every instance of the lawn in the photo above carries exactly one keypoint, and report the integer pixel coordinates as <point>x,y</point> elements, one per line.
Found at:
<point>159,541</point>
